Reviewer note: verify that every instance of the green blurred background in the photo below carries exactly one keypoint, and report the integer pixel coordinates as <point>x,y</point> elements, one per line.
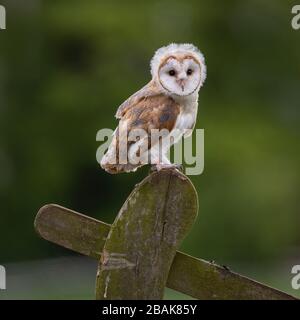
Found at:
<point>65,67</point>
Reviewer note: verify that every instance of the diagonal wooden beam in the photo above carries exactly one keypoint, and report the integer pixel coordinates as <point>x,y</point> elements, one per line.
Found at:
<point>195,277</point>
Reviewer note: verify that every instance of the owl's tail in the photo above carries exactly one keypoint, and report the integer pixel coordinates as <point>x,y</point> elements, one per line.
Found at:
<point>118,168</point>
<point>110,161</point>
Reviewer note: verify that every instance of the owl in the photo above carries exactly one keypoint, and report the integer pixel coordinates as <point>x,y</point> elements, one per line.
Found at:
<point>168,104</point>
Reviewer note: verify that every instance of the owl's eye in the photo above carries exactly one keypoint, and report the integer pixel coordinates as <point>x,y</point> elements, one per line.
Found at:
<point>189,72</point>
<point>172,73</point>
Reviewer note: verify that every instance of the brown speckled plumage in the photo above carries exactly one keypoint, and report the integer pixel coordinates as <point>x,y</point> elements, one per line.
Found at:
<point>151,110</point>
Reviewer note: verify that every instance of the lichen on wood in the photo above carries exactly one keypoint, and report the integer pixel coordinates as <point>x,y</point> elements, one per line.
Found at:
<point>143,240</point>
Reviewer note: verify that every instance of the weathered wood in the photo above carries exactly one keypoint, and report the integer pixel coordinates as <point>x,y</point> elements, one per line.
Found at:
<point>71,230</point>
<point>208,281</point>
<point>195,277</point>
<point>143,239</point>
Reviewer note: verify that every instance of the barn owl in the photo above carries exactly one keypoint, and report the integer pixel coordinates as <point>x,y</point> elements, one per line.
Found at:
<point>168,103</point>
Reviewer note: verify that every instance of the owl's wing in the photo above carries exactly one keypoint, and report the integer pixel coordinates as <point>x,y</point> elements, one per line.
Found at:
<point>152,112</point>
<point>155,112</point>
<point>149,90</point>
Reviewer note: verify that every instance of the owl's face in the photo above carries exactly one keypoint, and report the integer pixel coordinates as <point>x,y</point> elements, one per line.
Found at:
<point>179,68</point>
<point>180,75</point>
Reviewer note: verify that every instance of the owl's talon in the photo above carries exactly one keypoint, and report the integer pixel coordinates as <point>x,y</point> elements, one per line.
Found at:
<point>161,166</point>
<point>179,167</point>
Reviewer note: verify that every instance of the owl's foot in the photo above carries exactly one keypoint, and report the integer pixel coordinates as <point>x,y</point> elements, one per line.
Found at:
<point>161,166</point>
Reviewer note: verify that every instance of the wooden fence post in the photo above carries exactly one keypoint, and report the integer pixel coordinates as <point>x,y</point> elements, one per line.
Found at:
<point>136,252</point>
<point>143,240</point>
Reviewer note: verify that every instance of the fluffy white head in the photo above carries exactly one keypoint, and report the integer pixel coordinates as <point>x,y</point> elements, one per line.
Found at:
<point>179,68</point>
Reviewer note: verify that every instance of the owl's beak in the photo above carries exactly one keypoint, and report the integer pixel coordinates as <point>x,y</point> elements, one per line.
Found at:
<point>182,84</point>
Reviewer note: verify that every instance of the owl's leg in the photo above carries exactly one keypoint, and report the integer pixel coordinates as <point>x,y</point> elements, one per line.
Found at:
<point>159,163</point>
